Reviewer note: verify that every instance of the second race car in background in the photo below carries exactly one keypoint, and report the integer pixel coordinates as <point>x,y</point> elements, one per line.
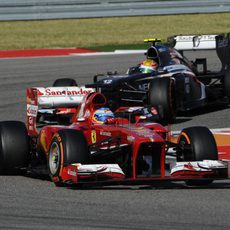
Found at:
<point>177,84</point>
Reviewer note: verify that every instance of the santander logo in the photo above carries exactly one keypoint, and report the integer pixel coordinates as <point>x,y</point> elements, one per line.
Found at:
<point>73,91</point>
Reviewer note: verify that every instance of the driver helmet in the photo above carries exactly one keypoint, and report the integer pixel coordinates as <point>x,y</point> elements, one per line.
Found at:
<point>148,66</point>
<point>102,114</point>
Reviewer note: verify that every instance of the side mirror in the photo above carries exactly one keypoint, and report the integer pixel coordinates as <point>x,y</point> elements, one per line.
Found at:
<point>81,119</point>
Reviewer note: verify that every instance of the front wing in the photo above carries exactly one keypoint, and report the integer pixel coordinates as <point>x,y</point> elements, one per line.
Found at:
<point>112,174</point>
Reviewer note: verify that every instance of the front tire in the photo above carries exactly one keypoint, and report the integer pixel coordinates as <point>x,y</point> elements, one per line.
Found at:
<point>162,97</point>
<point>14,146</point>
<point>197,144</point>
<point>67,147</point>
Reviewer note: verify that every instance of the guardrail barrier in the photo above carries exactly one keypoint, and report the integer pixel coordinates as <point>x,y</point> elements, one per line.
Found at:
<point>60,9</point>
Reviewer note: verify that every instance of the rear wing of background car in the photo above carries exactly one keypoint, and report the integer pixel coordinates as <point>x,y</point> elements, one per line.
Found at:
<point>48,99</point>
<point>193,42</point>
<point>220,43</point>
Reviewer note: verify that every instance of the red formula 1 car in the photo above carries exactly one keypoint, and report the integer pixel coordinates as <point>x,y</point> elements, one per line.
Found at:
<point>77,141</point>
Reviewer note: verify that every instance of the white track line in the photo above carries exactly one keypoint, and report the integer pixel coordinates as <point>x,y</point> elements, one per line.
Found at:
<point>116,52</point>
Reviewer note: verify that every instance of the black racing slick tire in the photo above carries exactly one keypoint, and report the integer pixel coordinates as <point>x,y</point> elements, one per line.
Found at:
<point>64,82</point>
<point>227,84</point>
<point>162,97</point>
<point>197,144</point>
<point>14,146</point>
<point>67,147</point>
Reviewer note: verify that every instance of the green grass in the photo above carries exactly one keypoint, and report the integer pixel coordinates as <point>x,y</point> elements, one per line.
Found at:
<point>106,33</point>
<point>112,47</point>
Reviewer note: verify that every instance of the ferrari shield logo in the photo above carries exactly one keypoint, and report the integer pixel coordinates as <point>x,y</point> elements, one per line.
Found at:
<point>93,136</point>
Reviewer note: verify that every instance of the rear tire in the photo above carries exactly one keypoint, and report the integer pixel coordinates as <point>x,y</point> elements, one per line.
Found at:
<point>227,84</point>
<point>67,147</point>
<point>197,144</point>
<point>162,97</point>
<point>64,82</point>
<point>14,146</point>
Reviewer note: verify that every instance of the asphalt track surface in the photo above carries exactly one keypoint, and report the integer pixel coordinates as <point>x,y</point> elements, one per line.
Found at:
<point>31,203</point>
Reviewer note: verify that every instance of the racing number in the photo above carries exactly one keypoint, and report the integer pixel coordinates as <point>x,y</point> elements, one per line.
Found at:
<point>93,136</point>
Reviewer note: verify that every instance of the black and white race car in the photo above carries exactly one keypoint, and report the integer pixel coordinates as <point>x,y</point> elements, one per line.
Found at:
<point>177,84</point>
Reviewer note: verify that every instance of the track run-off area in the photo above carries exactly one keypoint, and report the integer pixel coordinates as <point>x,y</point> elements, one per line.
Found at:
<point>32,203</point>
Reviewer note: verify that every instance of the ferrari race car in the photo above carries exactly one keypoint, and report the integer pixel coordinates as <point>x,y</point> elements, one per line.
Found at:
<point>175,84</point>
<point>71,136</point>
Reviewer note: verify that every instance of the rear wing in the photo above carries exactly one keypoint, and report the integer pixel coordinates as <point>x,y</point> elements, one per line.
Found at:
<point>220,43</point>
<point>193,42</point>
<point>51,98</point>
